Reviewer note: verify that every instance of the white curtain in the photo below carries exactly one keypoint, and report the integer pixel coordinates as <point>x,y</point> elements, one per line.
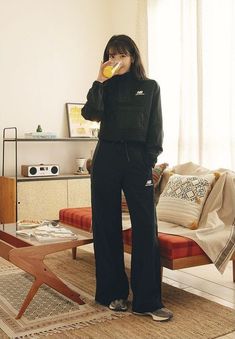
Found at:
<point>191,53</point>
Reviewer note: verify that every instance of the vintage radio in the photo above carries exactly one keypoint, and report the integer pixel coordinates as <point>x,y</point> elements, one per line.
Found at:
<point>39,170</point>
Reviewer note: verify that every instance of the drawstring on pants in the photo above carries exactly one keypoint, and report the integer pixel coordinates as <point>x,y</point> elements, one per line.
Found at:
<point>121,143</point>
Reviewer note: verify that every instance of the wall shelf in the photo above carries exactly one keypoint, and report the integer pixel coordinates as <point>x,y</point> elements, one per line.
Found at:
<point>54,191</point>
<point>49,139</point>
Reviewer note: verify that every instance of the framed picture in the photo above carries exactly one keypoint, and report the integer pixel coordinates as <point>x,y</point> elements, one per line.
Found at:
<point>78,126</point>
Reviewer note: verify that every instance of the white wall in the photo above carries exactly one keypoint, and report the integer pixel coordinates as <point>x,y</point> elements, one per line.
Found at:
<point>50,52</point>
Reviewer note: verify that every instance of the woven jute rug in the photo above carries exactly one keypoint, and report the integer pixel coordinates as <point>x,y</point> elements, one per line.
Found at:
<point>194,316</point>
<point>49,312</point>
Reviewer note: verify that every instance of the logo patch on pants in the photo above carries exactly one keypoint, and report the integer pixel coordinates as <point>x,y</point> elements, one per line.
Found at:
<point>149,183</point>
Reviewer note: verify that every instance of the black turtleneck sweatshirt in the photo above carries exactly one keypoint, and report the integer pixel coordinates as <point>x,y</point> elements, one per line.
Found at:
<point>129,110</point>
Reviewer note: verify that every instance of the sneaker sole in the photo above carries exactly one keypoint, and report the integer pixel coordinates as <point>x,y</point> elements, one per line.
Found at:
<point>154,317</point>
<point>118,309</point>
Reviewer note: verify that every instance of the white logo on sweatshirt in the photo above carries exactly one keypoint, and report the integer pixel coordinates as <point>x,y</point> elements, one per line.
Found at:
<point>139,93</point>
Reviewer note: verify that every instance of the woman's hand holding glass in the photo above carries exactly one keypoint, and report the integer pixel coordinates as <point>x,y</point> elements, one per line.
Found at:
<point>108,69</point>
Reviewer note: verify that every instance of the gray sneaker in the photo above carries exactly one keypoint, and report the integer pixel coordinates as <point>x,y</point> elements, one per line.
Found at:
<point>162,314</point>
<point>118,305</point>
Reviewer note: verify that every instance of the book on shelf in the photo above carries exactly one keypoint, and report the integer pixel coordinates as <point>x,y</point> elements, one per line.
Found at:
<point>40,135</point>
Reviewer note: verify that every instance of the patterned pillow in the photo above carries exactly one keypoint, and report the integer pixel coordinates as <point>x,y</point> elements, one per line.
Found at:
<point>183,198</point>
<point>157,174</point>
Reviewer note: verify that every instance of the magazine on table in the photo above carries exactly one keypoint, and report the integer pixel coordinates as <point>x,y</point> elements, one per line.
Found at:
<point>48,233</point>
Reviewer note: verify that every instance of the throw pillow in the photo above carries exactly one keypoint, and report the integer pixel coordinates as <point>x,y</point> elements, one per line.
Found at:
<point>124,204</point>
<point>183,198</point>
<point>157,174</point>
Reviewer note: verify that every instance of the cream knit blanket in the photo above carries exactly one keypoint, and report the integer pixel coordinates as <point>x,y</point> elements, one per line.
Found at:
<point>216,231</point>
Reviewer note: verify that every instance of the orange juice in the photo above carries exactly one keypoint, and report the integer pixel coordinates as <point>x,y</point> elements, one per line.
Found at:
<point>110,70</point>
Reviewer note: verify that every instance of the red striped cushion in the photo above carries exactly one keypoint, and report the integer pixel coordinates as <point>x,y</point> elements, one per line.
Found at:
<point>175,246</point>
<point>171,246</point>
<point>77,217</point>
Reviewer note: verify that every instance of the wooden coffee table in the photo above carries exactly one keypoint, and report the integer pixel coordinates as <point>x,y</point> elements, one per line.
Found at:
<point>28,255</point>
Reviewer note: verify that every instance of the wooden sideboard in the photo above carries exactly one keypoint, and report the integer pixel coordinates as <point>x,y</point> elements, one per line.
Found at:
<point>41,198</point>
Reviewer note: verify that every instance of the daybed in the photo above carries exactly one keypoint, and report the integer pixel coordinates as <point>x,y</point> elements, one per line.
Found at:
<point>210,239</point>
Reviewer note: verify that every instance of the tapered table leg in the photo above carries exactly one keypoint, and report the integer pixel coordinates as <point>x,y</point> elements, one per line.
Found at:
<point>30,259</point>
<point>29,297</point>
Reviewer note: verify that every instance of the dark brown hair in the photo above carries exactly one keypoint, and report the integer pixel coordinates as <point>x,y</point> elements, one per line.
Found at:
<point>123,44</point>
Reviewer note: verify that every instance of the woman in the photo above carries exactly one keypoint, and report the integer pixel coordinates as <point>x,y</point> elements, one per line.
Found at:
<point>129,108</point>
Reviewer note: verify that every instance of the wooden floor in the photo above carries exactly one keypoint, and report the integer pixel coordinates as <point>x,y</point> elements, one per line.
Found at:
<point>207,282</point>
<point>204,281</point>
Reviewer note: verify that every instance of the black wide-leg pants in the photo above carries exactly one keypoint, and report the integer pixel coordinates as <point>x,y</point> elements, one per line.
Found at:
<point>117,166</point>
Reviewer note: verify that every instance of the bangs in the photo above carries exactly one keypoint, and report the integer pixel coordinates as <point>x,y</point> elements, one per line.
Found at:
<point>118,48</point>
